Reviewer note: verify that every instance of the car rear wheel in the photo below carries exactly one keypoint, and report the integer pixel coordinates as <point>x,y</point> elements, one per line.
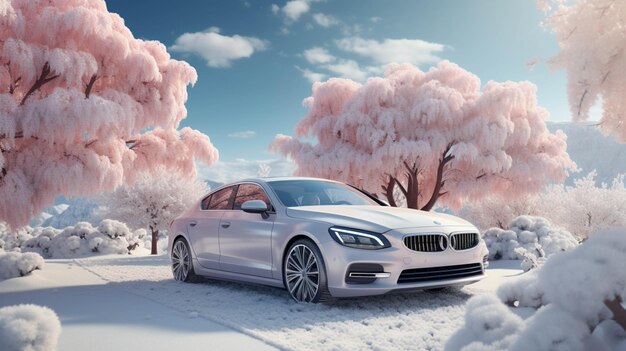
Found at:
<point>304,273</point>
<point>182,267</point>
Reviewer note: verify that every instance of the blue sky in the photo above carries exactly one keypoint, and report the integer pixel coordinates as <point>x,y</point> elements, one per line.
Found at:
<point>254,69</point>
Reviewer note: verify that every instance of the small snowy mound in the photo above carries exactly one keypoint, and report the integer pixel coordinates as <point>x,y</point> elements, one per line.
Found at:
<point>488,322</point>
<point>17,264</point>
<point>527,238</point>
<point>575,296</point>
<point>28,327</point>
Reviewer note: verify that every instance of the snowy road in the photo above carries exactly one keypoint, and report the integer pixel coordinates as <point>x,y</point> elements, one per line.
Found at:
<point>126,302</point>
<point>99,316</point>
<point>417,321</point>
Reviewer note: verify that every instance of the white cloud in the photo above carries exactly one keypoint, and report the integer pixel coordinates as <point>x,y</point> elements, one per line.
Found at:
<point>317,55</point>
<point>295,8</point>
<point>413,51</point>
<point>325,20</point>
<point>351,69</point>
<point>311,76</point>
<point>275,8</point>
<point>217,49</point>
<point>230,171</point>
<point>243,134</point>
<point>375,19</point>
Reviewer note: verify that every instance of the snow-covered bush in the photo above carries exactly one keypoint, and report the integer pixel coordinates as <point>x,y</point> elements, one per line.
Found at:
<point>82,239</point>
<point>575,297</point>
<point>528,238</point>
<point>17,264</point>
<point>28,328</point>
<point>581,208</point>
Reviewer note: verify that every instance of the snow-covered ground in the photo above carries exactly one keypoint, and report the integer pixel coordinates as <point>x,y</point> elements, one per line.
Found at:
<point>123,302</point>
<point>99,315</point>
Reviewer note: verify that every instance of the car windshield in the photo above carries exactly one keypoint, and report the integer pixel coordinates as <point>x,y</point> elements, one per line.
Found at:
<point>293,193</point>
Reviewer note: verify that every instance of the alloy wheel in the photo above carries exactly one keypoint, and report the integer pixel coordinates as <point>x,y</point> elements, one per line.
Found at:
<point>181,261</point>
<point>302,273</point>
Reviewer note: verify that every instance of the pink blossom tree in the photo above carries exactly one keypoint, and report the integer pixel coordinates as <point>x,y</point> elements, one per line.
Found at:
<point>433,135</point>
<point>592,40</point>
<point>85,106</point>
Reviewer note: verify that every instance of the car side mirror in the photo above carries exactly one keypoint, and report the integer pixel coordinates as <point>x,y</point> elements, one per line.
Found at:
<point>255,206</point>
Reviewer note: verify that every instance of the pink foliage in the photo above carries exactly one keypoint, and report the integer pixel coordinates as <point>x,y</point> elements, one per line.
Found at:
<point>434,135</point>
<point>592,41</point>
<point>84,106</point>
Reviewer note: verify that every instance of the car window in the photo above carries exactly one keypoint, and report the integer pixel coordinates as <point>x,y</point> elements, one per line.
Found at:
<point>317,192</point>
<point>204,205</point>
<point>247,192</point>
<point>221,200</point>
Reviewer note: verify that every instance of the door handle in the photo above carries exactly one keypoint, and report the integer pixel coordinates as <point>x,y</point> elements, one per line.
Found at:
<point>193,224</point>
<point>225,224</point>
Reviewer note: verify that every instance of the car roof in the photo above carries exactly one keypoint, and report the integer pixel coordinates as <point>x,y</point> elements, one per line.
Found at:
<point>282,178</point>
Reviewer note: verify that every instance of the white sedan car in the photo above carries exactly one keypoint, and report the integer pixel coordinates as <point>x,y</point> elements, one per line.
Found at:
<point>321,239</point>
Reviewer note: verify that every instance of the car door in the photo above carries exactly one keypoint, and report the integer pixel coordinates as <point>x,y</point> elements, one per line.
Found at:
<point>203,229</point>
<point>246,238</point>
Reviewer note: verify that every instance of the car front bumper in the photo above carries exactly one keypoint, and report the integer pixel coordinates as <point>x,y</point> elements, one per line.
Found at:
<point>340,261</point>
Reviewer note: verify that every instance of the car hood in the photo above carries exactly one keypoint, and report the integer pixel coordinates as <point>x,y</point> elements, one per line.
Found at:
<point>375,218</point>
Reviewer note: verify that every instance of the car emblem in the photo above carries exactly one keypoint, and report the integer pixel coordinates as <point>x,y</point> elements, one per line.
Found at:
<point>437,222</point>
<point>442,242</point>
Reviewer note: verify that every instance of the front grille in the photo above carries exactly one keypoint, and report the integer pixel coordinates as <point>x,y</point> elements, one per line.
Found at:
<point>419,275</point>
<point>464,241</point>
<point>427,242</point>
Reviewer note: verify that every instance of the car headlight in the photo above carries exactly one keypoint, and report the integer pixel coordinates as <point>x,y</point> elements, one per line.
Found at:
<point>359,239</point>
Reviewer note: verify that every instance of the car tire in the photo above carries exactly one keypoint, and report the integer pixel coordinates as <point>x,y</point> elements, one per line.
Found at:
<point>182,263</point>
<point>305,282</point>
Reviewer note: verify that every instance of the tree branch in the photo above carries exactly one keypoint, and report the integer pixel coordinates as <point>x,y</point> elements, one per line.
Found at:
<point>44,78</point>
<point>14,85</point>
<point>619,313</point>
<point>388,189</point>
<point>89,85</point>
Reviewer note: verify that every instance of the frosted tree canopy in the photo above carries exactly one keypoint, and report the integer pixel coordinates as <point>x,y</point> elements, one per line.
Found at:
<point>431,136</point>
<point>85,106</point>
<point>592,40</point>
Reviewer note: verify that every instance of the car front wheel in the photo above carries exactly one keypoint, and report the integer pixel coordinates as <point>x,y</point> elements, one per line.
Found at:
<point>304,273</point>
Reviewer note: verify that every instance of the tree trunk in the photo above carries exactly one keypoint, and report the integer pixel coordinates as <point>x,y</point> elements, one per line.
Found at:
<point>155,239</point>
<point>439,182</point>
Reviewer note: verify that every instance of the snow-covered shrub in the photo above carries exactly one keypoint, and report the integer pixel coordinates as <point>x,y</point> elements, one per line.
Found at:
<point>582,208</point>
<point>528,238</point>
<point>28,328</point>
<point>82,239</point>
<point>574,294</point>
<point>17,264</point>
<point>488,322</point>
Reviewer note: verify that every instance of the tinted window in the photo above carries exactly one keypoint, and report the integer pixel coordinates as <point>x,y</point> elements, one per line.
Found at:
<point>317,192</point>
<point>205,203</point>
<point>247,192</point>
<point>220,200</point>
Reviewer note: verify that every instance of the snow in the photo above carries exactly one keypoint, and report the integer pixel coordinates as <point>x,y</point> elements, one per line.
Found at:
<point>528,238</point>
<point>80,240</point>
<point>567,298</point>
<point>415,321</point>
<point>136,303</point>
<point>100,316</point>
<point>17,264</point>
<point>28,328</point>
